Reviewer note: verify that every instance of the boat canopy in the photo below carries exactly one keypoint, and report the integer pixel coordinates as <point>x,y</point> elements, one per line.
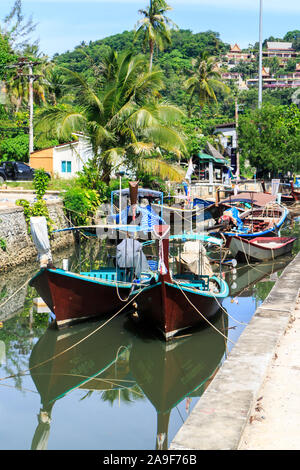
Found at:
<point>123,228</point>
<point>251,197</point>
<point>206,157</point>
<point>142,192</point>
<point>184,237</point>
<point>198,236</point>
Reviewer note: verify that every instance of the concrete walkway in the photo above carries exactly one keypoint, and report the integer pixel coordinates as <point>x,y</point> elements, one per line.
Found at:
<point>9,196</point>
<point>254,399</point>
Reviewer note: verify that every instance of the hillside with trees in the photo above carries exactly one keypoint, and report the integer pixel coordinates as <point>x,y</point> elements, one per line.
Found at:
<point>166,111</point>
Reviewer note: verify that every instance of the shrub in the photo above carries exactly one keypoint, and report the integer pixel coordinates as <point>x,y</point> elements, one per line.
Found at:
<point>40,183</point>
<point>82,204</point>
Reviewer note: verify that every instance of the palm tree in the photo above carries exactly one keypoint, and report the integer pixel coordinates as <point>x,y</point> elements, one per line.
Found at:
<point>154,27</point>
<point>205,80</point>
<point>125,120</point>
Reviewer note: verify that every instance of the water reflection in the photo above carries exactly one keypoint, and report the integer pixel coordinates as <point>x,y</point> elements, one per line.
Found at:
<point>116,364</point>
<point>244,278</point>
<point>167,373</point>
<point>90,357</point>
<point>110,358</point>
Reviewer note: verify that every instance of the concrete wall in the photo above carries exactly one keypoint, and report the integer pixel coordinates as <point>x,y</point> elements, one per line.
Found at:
<point>19,246</point>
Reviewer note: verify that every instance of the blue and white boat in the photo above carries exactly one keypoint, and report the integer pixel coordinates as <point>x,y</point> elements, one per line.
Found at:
<point>257,222</point>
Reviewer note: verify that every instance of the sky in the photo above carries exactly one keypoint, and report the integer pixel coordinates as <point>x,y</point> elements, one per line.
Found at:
<point>64,24</point>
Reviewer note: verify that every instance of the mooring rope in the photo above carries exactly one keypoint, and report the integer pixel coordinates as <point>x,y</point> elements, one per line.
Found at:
<point>16,292</point>
<point>73,345</point>
<point>201,314</point>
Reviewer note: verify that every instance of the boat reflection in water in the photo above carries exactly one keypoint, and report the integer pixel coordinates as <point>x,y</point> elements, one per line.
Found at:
<point>116,357</point>
<point>169,372</point>
<point>242,279</point>
<point>93,356</point>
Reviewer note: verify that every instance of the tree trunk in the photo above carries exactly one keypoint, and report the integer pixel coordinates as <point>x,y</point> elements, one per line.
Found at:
<point>151,45</point>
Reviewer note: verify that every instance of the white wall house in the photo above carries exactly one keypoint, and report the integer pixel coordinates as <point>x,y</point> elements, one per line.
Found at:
<point>64,160</point>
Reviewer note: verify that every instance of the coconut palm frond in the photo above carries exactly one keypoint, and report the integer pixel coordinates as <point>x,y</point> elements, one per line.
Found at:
<point>85,95</point>
<point>113,156</point>
<point>163,169</point>
<point>166,137</point>
<point>60,122</point>
<point>142,148</point>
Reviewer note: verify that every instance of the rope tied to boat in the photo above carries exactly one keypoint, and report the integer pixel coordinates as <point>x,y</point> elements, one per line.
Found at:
<point>73,345</point>
<point>201,314</point>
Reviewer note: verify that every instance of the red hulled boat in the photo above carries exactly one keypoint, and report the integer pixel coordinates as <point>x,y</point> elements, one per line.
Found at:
<point>175,303</point>
<point>261,248</point>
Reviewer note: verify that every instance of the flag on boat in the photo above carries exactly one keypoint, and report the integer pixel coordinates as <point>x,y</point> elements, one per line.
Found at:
<point>190,170</point>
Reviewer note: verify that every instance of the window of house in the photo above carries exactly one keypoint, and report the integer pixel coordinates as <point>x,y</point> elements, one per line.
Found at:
<point>66,167</point>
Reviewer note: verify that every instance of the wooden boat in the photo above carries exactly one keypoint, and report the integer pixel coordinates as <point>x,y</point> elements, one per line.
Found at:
<point>260,248</point>
<point>181,217</point>
<point>78,296</point>
<point>242,201</point>
<point>295,192</point>
<point>286,197</point>
<point>257,222</point>
<point>133,200</point>
<point>176,302</point>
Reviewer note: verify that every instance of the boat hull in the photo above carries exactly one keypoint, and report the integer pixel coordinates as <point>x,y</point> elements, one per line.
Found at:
<point>171,309</point>
<point>73,298</point>
<point>260,249</point>
<point>296,195</point>
<point>264,226</point>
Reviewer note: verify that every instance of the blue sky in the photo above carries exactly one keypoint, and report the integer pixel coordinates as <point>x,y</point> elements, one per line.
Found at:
<point>63,24</point>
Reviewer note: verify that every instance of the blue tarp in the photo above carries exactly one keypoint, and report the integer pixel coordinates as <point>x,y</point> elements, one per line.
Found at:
<point>234,214</point>
<point>149,217</point>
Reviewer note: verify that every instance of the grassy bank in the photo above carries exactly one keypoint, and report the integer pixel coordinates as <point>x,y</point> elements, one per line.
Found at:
<point>55,184</point>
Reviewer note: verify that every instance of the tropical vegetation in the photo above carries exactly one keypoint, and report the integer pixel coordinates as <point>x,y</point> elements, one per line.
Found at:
<point>147,98</point>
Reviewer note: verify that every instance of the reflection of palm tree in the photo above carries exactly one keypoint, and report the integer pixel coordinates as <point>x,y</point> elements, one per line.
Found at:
<point>125,121</point>
<point>205,80</point>
<point>126,395</point>
<point>154,27</point>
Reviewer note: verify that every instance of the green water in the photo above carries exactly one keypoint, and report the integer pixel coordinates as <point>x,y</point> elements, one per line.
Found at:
<point>111,386</point>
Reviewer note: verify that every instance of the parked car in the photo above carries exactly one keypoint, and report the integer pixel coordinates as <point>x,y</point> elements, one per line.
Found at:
<point>16,171</point>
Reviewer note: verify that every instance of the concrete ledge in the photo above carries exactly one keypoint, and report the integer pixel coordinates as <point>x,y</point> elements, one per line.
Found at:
<point>219,418</point>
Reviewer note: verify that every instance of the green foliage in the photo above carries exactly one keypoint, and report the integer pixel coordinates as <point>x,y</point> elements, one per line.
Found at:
<point>6,55</point>
<point>81,204</point>
<point>199,130</point>
<point>35,209</point>
<point>3,244</point>
<point>125,121</point>
<point>38,208</point>
<point>40,183</point>
<point>270,138</point>
<point>15,148</point>
<point>90,178</point>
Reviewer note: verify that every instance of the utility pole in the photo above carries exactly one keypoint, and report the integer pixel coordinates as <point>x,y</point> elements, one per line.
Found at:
<point>260,55</point>
<point>22,63</point>
<point>237,142</point>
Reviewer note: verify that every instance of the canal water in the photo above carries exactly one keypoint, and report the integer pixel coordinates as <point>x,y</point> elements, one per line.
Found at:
<point>111,385</point>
